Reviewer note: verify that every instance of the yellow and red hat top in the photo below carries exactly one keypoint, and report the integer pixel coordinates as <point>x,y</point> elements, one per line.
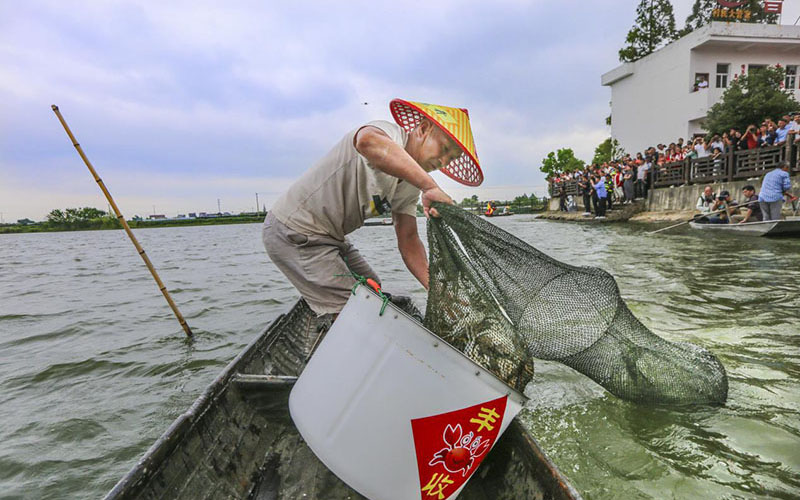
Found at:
<point>455,123</point>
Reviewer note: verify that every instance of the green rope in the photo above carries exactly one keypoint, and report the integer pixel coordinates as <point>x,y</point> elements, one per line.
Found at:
<point>362,280</point>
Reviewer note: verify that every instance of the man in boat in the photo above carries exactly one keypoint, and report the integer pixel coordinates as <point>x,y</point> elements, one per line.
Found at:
<point>726,208</point>
<point>775,186</point>
<point>376,168</point>
<point>705,200</point>
<point>750,205</point>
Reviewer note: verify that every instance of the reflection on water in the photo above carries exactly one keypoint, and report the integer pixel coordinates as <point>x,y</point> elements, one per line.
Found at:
<point>94,366</point>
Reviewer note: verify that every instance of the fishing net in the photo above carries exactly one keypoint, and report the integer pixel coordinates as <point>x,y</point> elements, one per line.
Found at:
<point>503,303</point>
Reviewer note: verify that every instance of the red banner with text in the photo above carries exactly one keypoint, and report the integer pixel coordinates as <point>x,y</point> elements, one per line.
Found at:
<point>451,445</point>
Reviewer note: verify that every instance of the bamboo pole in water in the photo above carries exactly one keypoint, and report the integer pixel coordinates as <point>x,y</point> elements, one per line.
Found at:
<point>125,226</point>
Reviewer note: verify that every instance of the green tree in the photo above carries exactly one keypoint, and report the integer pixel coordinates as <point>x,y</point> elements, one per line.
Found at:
<point>608,150</point>
<point>654,27</point>
<point>521,201</point>
<point>89,213</point>
<point>562,160</point>
<point>749,99</point>
<point>77,218</point>
<point>702,9</point>
<point>56,216</point>
<point>72,215</point>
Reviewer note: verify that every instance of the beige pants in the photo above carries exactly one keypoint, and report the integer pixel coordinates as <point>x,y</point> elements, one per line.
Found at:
<point>316,265</point>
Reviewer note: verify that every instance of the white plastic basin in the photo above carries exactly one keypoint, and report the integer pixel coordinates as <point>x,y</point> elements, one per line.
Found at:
<point>389,407</point>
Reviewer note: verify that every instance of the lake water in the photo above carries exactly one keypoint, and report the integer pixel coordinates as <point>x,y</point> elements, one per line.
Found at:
<point>94,367</point>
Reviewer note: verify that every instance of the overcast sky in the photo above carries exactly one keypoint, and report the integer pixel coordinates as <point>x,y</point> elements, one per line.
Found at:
<point>178,104</point>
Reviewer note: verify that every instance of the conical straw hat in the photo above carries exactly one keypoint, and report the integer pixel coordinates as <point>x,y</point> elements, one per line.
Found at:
<point>455,123</point>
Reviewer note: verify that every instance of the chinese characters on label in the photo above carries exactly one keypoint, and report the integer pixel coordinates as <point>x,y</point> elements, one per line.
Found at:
<point>450,446</point>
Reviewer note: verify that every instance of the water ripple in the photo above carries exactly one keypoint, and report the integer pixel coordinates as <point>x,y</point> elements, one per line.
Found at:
<point>95,367</point>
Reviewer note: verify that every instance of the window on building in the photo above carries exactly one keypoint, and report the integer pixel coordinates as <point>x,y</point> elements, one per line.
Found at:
<point>755,67</point>
<point>790,81</point>
<point>722,75</point>
<point>700,81</point>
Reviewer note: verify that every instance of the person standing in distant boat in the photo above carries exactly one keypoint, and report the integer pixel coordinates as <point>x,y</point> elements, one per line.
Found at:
<point>376,168</point>
<point>775,186</point>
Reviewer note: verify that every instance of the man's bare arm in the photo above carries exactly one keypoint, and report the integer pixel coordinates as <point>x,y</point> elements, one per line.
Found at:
<point>747,216</point>
<point>411,248</point>
<point>388,156</point>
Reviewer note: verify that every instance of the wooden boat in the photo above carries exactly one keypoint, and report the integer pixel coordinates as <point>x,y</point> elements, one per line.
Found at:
<point>238,441</point>
<point>774,228</point>
<point>381,222</point>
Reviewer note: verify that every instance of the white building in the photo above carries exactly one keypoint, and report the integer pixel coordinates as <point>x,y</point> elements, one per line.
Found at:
<point>656,99</point>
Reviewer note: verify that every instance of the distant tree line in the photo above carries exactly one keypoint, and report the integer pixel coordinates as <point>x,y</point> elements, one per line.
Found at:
<point>88,218</point>
<point>520,204</point>
<point>81,218</point>
<point>564,159</point>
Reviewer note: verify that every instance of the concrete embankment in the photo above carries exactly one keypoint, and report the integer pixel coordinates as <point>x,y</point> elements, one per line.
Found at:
<point>617,214</point>
<point>672,204</point>
<point>685,197</point>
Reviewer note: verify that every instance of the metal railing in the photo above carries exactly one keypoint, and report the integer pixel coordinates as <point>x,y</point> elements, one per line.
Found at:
<point>728,167</point>
<point>571,188</point>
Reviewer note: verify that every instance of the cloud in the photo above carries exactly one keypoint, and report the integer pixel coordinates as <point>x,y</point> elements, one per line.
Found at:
<point>182,99</point>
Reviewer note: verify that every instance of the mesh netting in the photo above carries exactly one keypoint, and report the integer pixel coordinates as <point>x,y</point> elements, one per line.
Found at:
<point>503,303</point>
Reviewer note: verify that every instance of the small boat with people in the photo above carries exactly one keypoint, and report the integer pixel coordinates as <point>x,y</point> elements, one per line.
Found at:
<point>380,222</point>
<point>493,211</point>
<point>238,439</point>
<point>789,227</point>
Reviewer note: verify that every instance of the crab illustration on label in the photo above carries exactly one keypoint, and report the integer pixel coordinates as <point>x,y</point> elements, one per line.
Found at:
<point>461,452</point>
<point>450,446</point>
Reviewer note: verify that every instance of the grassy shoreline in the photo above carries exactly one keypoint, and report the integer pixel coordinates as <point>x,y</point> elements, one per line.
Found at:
<point>109,223</point>
<point>102,225</point>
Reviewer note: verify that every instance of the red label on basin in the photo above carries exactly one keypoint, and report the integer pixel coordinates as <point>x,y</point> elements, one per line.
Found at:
<point>451,445</point>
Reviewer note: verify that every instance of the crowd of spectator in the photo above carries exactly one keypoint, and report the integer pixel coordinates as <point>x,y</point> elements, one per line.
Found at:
<point>602,187</point>
<point>605,186</point>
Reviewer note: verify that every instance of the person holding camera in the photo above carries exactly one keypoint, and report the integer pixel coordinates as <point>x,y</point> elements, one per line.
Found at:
<point>750,138</point>
<point>726,207</point>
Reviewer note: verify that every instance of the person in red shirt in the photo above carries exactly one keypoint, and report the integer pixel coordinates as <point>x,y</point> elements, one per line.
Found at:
<point>749,139</point>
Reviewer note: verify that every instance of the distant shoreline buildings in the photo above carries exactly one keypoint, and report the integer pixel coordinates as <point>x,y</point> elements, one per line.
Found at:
<point>667,94</point>
<point>192,215</point>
